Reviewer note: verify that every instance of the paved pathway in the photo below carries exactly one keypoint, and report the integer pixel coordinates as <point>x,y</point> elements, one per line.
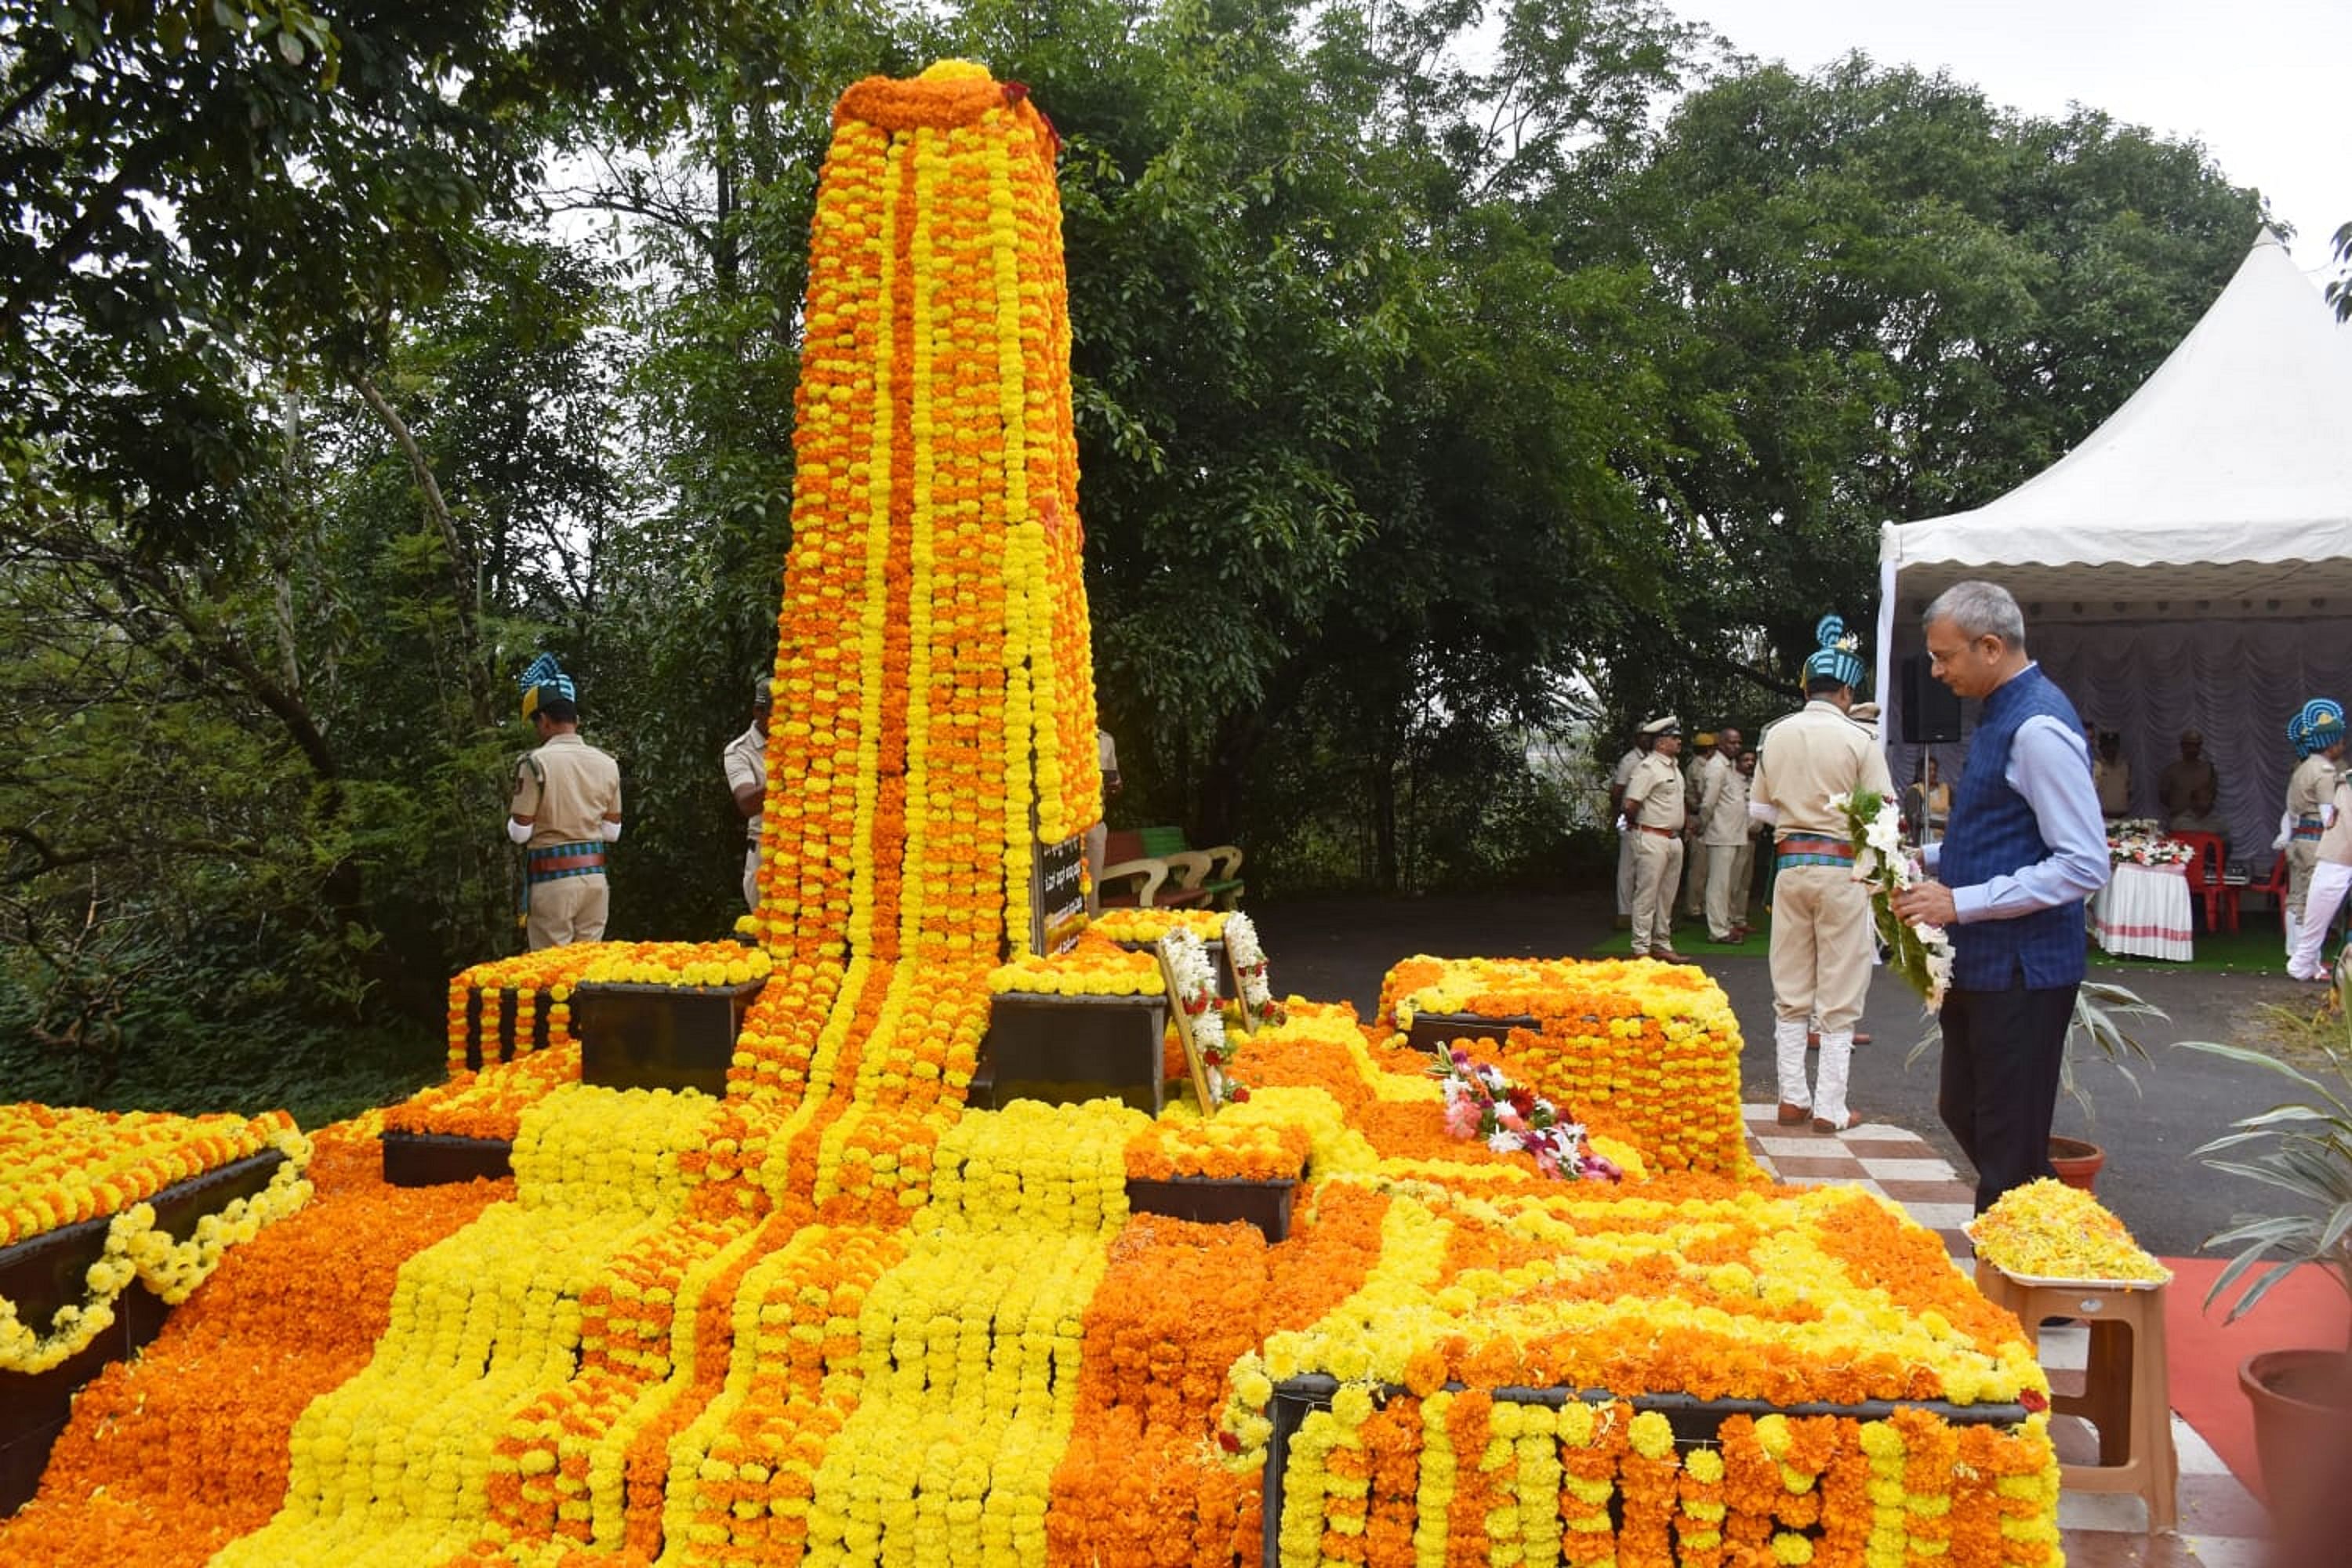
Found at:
<point>2221,1524</point>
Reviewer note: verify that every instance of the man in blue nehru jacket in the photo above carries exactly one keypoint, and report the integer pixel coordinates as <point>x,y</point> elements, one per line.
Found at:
<point>2024,846</point>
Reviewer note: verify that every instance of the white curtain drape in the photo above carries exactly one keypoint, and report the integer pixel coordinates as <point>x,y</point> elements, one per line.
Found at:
<point>2237,681</point>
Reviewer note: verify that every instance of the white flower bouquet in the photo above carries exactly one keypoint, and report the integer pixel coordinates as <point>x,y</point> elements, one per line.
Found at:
<point>1919,952</point>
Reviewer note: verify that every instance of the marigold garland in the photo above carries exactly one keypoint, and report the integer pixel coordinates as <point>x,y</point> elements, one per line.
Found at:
<point>156,1467</point>
<point>60,1166</point>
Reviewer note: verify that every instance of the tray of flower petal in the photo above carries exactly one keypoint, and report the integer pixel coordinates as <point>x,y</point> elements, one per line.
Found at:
<point>2047,1233</point>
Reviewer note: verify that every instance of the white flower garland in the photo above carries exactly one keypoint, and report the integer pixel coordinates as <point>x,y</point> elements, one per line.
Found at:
<point>1195,991</point>
<point>1248,959</point>
<point>1921,954</point>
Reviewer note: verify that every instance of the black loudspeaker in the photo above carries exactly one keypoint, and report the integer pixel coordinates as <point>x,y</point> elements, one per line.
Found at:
<point>1931,709</point>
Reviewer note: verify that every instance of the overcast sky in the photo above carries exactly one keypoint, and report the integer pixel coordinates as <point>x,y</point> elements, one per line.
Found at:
<point>2263,84</point>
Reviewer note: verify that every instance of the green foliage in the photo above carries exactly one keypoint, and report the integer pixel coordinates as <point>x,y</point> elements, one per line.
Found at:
<point>2302,1151</point>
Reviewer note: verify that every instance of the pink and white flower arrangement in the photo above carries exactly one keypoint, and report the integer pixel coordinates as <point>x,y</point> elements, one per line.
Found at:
<point>1480,1102</point>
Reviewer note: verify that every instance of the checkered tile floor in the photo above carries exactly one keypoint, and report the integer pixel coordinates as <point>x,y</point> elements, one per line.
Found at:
<point>2221,1524</point>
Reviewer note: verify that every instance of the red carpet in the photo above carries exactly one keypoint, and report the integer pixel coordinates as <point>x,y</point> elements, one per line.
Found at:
<point>2305,1311</point>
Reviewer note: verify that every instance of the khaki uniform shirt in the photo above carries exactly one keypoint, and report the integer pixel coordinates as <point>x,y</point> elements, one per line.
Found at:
<point>1657,785</point>
<point>583,785</point>
<point>2336,844</point>
<point>2113,783</point>
<point>1702,773</point>
<point>1811,755</point>
<point>2313,782</point>
<point>2183,781</point>
<point>1723,806</point>
<point>746,761</point>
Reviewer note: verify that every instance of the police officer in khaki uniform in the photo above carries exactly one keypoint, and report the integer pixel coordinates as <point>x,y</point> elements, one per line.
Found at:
<point>1723,826</point>
<point>1655,817</point>
<point>1625,836</point>
<point>2317,732</point>
<point>746,762</point>
<point>566,809</point>
<point>1822,943</point>
<point>1702,773</point>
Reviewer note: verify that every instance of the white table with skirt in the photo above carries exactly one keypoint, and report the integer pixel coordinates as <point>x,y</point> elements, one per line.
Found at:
<point>2143,912</point>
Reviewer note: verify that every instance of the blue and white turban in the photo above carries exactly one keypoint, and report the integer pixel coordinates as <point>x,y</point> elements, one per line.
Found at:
<point>2323,723</point>
<point>1840,655</point>
<point>543,680</point>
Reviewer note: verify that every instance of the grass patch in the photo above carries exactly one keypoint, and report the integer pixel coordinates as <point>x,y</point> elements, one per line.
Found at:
<point>1690,936</point>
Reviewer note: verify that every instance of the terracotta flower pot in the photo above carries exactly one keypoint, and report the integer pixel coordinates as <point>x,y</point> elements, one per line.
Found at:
<point>2076,1162</point>
<point>2303,1402</point>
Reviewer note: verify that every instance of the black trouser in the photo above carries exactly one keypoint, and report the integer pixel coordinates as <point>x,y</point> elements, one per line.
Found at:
<point>2003,1053</point>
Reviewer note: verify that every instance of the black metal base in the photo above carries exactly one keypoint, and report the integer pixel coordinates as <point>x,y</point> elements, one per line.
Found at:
<point>659,1037</point>
<point>1433,1032</point>
<point>1217,1201</point>
<point>435,1159</point>
<point>1067,1050</point>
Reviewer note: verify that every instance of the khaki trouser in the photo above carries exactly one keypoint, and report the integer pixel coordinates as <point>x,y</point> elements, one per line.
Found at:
<point>2302,855</point>
<point>1657,867</point>
<point>1822,946</point>
<point>751,876</point>
<point>1696,855</point>
<point>1727,868</point>
<point>1098,846</point>
<point>569,909</point>
<point>1625,837</point>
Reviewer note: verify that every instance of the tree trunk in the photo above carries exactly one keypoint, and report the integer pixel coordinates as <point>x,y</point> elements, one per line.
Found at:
<point>1382,763</point>
<point>464,583</point>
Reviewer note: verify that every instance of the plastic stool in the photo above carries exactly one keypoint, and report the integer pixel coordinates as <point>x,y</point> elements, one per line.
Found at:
<point>2125,1392</point>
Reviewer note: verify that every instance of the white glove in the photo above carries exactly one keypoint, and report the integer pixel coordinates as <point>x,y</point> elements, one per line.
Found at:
<point>519,831</point>
<point>2286,830</point>
<point>611,830</point>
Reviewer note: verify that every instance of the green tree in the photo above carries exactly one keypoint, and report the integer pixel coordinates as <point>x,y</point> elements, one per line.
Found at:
<point>1889,300</point>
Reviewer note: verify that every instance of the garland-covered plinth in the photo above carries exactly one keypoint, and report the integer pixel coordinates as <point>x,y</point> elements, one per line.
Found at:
<point>840,1311</point>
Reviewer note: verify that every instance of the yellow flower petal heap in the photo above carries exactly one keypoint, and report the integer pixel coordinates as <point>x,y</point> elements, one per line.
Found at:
<point>2047,1230</point>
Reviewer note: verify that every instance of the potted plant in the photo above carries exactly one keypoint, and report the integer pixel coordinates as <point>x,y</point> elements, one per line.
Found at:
<point>2302,1151</point>
<point>2103,1014</point>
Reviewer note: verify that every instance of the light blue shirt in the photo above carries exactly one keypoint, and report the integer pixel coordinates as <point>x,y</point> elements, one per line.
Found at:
<point>2051,768</point>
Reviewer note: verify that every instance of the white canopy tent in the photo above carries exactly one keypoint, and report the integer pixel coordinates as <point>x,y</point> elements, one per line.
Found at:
<point>2189,564</point>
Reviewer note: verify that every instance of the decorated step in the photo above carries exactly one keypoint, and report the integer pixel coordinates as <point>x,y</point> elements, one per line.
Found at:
<point>1433,1032</point>
<point>1663,1477</point>
<point>77,1296</point>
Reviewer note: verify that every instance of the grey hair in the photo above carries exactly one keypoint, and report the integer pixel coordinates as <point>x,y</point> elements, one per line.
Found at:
<point>1979,610</point>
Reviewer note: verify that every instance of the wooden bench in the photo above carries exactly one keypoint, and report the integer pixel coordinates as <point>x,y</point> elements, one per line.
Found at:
<point>1220,877</point>
<point>1132,878</point>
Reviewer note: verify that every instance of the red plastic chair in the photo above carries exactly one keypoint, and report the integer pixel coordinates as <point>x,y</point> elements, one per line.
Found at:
<point>2274,885</point>
<point>2204,873</point>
